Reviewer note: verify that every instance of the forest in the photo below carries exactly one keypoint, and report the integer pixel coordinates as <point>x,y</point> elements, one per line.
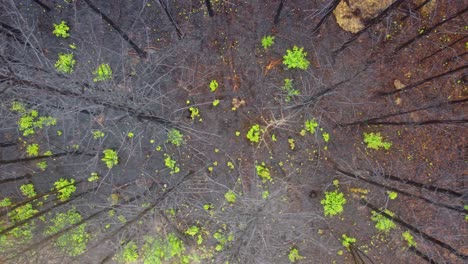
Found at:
<point>233,131</point>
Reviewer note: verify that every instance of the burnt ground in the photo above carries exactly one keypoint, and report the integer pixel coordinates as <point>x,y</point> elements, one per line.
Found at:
<point>349,92</point>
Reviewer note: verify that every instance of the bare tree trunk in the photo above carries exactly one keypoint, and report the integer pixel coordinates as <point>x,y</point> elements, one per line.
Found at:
<point>209,8</point>
<point>429,30</point>
<point>138,50</point>
<point>414,229</point>
<point>373,21</point>
<point>278,11</point>
<point>411,86</point>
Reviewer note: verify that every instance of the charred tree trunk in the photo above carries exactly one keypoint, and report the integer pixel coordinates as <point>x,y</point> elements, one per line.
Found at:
<point>429,30</point>
<point>329,11</point>
<point>373,21</point>
<point>209,8</point>
<point>138,50</point>
<point>370,120</point>
<point>278,11</point>
<point>415,230</point>
<point>411,86</point>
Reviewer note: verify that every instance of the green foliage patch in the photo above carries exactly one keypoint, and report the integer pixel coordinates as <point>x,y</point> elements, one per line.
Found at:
<point>30,120</point>
<point>347,241</point>
<point>376,141</point>
<point>214,85</point>
<point>32,150</point>
<point>268,41</point>
<point>382,223</point>
<point>102,73</point>
<point>128,254</point>
<point>263,172</point>
<point>65,188</point>
<point>160,251</point>
<point>254,133</point>
<point>65,63</point>
<point>61,30</point>
<point>296,59</point>
<point>333,203</point>
<point>290,91</point>
<point>294,255</point>
<point>28,190</point>
<point>111,158</point>
<point>409,238</point>
<point>175,137</point>
<point>230,197</point>
<point>171,164</point>
<point>74,241</point>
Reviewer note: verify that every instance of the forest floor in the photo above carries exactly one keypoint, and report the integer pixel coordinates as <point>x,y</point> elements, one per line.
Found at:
<point>370,85</point>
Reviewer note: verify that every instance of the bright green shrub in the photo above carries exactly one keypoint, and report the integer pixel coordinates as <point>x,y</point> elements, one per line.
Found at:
<point>213,85</point>
<point>333,203</point>
<point>268,41</point>
<point>128,254</point>
<point>409,238</point>
<point>175,137</point>
<point>110,158</point>
<point>65,63</point>
<point>65,188</point>
<point>102,73</point>
<point>263,172</point>
<point>294,255</point>
<point>74,241</point>
<point>296,58</point>
<point>61,30</point>
<point>230,197</point>
<point>32,150</point>
<point>28,190</point>
<point>382,223</point>
<point>375,141</point>
<point>254,133</point>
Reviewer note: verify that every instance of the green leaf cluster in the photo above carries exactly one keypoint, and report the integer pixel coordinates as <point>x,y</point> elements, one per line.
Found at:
<point>333,203</point>
<point>74,241</point>
<point>28,190</point>
<point>102,73</point>
<point>409,238</point>
<point>175,137</point>
<point>65,63</point>
<point>42,165</point>
<point>110,158</point>
<point>296,59</point>
<point>268,41</point>
<point>98,134</point>
<point>348,241</point>
<point>382,223</point>
<point>375,141</point>
<point>61,30</point>
<point>194,112</point>
<point>222,239</point>
<point>32,150</point>
<point>294,255</point>
<point>128,254</point>
<point>311,125</point>
<point>171,164</point>
<point>192,231</point>
<point>230,197</point>
<point>160,251</point>
<point>30,119</point>
<point>65,188</point>
<point>214,85</point>
<point>288,88</point>
<point>22,213</point>
<point>5,202</point>
<point>254,133</point>
<point>263,172</point>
